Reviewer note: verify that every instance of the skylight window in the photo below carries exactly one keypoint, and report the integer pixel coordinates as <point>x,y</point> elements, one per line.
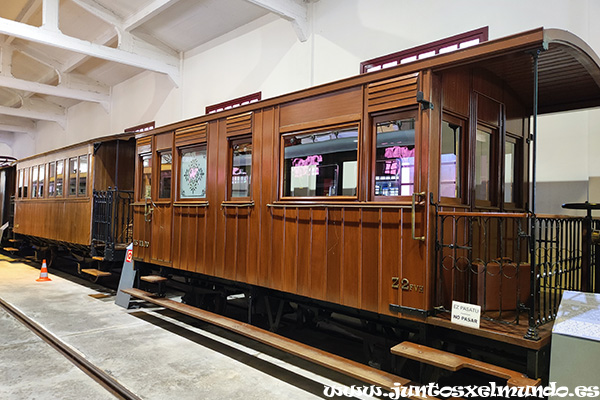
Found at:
<point>443,46</point>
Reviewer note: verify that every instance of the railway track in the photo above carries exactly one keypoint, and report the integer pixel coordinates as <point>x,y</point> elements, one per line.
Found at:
<point>97,374</point>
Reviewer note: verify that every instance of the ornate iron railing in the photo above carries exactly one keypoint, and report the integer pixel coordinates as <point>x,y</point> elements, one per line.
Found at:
<point>486,259</point>
<point>112,220</point>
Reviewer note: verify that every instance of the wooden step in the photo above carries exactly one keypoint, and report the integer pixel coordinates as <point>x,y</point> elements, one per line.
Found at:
<point>342,365</point>
<point>15,240</point>
<point>95,272</point>
<point>453,362</point>
<point>98,258</point>
<point>10,249</point>
<point>153,278</point>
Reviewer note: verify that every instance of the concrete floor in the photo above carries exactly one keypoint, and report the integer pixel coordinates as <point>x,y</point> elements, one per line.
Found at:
<point>155,353</point>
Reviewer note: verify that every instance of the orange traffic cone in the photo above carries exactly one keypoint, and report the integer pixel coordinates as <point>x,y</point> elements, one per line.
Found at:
<point>43,273</point>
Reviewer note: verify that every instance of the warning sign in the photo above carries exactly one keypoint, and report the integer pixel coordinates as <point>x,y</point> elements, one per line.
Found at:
<point>129,256</point>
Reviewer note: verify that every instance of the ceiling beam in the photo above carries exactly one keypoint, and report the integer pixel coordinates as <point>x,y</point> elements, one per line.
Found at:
<point>165,64</point>
<point>50,15</point>
<point>38,111</point>
<point>21,128</point>
<point>295,11</point>
<point>101,96</point>
<point>146,13</point>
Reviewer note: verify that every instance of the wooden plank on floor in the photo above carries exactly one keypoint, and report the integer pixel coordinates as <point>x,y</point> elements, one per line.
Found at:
<point>453,362</point>
<point>342,365</point>
<point>95,272</point>
<point>153,278</point>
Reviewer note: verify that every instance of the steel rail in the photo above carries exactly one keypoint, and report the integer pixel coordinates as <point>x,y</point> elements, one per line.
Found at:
<point>100,376</point>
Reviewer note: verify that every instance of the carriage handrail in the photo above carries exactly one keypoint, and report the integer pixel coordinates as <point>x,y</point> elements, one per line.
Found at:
<point>483,214</point>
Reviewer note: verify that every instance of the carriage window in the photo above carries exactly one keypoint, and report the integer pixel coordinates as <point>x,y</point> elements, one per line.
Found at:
<point>241,167</point>
<point>51,179</point>
<point>25,182</point>
<point>41,178</point>
<point>192,181</point>
<point>83,172</point>
<point>483,165</point>
<point>146,161</point>
<point>450,166</point>
<point>34,181</point>
<point>166,170</point>
<point>509,170</point>
<point>20,191</point>
<point>72,176</point>
<point>395,156</point>
<point>321,163</point>
<point>60,164</point>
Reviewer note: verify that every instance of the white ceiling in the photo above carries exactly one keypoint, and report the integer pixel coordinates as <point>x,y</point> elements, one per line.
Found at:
<point>57,53</point>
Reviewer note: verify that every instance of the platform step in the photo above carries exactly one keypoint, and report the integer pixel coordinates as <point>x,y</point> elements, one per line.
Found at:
<point>11,249</point>
<point>15,240</point>
<point>95,272</point>
<point>453,362</point>
<point>345,366</point>
<point>153,278</point>
<point>98,258</point>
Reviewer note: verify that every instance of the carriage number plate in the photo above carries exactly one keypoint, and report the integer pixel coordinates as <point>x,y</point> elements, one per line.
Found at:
<point>405,285</point>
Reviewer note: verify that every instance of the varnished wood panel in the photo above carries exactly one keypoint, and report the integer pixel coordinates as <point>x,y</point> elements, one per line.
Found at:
<point>160,244</point>
<point>326,107</point>
<point>456,89</point>
<point>351,261</point>
<point>60,220</point>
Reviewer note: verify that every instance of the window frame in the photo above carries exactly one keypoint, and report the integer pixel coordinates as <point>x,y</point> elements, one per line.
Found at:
<point>34,181</point>
<point>494,167</point>
<point>76,159</point>
<point>318,130</point>
<point>62,179</point>
<point>159,154</point>
<point>179,150</point>
<point>463,159</point>
<point>42,180</point>
<point>88,162</point>
<point>140,158</point>
<point>389,116</point>
<point>232,141</point>
<point>517,173</point>
<point>51,179</point>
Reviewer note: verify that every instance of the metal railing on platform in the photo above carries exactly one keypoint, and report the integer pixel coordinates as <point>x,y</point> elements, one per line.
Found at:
<point>495,260</point>
<point>112,219</point>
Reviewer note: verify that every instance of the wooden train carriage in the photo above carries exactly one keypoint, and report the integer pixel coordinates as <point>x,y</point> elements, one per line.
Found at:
<point>61,197</point>
<point>336,194</point>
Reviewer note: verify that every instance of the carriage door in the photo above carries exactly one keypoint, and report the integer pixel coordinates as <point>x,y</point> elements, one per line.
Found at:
<point>397,167</point>
<point>152,209</point>
<point>142,234</point>
<point>160,208</point>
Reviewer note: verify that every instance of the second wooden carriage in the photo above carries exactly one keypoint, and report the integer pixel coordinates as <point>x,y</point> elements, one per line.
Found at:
<point>77,198</point>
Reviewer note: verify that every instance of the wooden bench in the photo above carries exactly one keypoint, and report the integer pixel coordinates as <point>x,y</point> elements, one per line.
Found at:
<point>453,362</point>
<point>342,365</point>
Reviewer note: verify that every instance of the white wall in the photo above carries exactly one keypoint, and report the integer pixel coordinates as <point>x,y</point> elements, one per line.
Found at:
<point>266,56</point>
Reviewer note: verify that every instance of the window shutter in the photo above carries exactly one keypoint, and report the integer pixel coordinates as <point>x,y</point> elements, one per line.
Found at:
<point>392,93</point>
<point>239,124</point>
<point>191,134</point>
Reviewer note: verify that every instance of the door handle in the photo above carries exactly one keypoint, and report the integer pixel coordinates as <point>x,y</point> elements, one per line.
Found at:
<point>148,209</point>
<point>413,215</point>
